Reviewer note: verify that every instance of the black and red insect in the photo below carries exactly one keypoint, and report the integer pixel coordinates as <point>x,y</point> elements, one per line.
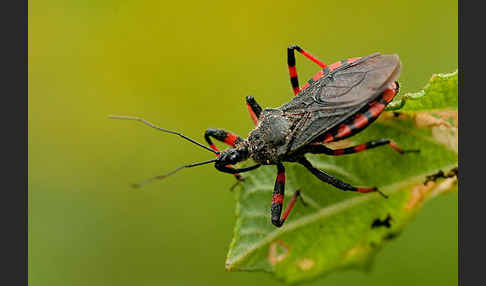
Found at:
<point>339,101</point>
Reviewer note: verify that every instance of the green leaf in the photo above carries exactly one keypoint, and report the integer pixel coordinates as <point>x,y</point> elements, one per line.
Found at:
<point>439,93</point>
<point>337,229</point>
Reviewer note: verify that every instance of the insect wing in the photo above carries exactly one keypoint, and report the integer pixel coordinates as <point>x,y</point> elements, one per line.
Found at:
<point>339,95</point>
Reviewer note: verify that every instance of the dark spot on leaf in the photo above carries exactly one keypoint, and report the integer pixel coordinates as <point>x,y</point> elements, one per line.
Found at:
<point>386,222</point>
<point>441,174</point>
<point>391,235</point>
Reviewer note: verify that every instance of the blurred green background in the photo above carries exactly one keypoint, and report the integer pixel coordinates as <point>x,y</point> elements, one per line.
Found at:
<point>188,66</point>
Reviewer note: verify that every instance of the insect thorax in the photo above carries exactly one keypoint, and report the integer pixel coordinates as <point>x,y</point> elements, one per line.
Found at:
<point>268,141</point>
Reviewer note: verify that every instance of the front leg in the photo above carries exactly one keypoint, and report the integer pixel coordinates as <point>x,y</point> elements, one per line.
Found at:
<point>229,169</point>
<point>223,136</point>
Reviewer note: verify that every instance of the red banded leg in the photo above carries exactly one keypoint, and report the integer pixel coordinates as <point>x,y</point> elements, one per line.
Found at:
<point>292,68</point>
<point>321,175</point>
<point>278,198</point>
<point>223,136</point>
<point>318,148</point>
<point>254,108</point>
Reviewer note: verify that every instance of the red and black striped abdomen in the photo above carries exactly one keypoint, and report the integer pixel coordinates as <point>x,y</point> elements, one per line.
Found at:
<point>362,118</point>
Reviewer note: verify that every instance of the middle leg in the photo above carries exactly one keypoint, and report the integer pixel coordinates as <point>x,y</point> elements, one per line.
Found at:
<point>318,148</point>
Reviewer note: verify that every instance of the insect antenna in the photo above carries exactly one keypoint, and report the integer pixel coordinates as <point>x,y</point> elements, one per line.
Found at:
<point>161,129</point>
<point>160,177</point>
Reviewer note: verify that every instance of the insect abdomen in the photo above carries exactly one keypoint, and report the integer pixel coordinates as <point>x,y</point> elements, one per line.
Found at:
<point>361,119</point>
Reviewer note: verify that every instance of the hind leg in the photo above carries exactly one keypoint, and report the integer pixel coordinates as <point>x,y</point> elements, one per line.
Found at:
<point>294,81</point>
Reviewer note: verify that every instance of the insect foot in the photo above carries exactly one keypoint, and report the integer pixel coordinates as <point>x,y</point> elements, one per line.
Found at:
<point>373,189</point>
<point>397,148</point>
<point>299,195</point>
<point>239,180</point>
<point>411,151</point>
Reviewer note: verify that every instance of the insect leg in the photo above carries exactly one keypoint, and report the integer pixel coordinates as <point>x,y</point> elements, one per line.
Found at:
<point>278,198</point>
<point>254,108</point>
<point>223,136</point>
<point>293,70</point>
<point>229,169</point>
<point>321,149</point>
<point>335,181</point>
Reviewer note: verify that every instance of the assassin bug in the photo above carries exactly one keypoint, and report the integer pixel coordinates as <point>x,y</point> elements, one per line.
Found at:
<point>339,101</point>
